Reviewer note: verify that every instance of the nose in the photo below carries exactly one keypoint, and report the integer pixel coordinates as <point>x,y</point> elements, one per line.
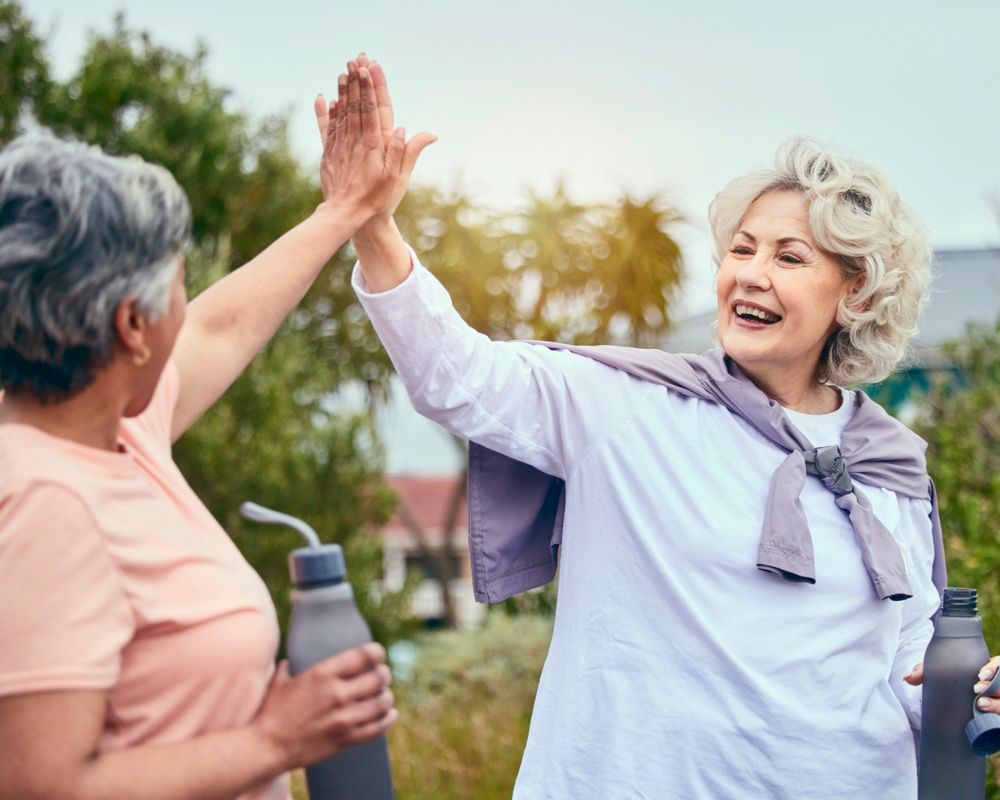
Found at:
<point>755,272</point>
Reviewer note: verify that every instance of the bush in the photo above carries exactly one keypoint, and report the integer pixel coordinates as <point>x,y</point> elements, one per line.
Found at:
<point>464,711</point>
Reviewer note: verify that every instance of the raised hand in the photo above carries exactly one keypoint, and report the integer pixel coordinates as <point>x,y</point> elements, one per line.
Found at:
<point>366,163</point>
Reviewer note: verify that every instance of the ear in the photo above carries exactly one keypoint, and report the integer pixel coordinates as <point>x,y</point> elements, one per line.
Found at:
<point>851,288</point>
<point>130,326</point>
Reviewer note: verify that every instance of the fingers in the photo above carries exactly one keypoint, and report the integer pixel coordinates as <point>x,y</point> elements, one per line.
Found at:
<point>382,98</point>
<point>414,148</point>
<point>362,714</point>
<point>986,676</point>
<point>915,676</point>
<point>341,104</point>
<point>395,151</point>
<point>371,135</point>
<point>990,670</point>
<point>353,102</point>
<point>350,691</point>
<point>353,662</point>
<point>322,117</point>
<point>364,733</point>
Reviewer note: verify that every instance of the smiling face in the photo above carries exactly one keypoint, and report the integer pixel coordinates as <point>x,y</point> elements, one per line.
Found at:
<point>778,292</point>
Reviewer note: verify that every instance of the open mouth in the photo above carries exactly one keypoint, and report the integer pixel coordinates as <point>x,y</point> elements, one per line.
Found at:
<point>754,314</point>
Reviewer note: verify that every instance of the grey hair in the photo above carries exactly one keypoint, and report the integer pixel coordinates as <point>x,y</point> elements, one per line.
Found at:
<point>855,215</point>
<point>80,232</point>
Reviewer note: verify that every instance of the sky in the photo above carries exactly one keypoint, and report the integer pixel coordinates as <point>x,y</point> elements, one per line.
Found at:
<point>648,97</point>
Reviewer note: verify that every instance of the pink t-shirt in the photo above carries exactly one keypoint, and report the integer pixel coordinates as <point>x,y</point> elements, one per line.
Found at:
<point>115,577</point>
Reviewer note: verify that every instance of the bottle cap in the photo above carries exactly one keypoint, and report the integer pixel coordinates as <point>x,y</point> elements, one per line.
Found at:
<point>983,730</point>
<point>959,602</point>
<point>317,566</point>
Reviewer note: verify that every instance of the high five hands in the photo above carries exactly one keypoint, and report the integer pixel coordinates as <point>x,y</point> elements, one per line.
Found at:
<point>367,163</point>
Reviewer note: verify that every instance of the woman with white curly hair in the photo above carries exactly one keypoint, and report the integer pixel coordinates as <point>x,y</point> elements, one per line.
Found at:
<point>749,551</point>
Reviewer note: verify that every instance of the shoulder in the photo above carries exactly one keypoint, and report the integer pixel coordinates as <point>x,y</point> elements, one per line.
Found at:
<point>871,420</point>
<point>49,514</point>
<point>685,373</point>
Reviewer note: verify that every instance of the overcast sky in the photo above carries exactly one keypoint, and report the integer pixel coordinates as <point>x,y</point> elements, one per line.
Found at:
<point>645,96</point>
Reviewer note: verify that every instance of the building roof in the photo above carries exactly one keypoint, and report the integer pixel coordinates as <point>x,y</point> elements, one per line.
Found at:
<point>966,288</point>
<point>428,500</point>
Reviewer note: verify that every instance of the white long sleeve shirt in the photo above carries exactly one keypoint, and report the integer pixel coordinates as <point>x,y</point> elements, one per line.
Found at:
<point>677,669</point>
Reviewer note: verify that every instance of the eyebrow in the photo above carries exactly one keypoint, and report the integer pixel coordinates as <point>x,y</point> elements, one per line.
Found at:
<point>784,240</point>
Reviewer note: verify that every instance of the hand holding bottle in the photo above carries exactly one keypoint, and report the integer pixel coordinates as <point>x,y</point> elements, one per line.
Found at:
<point>915,677</point>
<point>338,703</point>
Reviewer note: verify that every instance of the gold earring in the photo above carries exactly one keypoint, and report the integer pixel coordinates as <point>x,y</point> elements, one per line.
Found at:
<point>140,358</point>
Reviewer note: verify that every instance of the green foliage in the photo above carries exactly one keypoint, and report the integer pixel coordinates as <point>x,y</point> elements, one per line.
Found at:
<point>960,419</point>
<point>131,95</point>
<point>24,71</point>
<point>464,712</point>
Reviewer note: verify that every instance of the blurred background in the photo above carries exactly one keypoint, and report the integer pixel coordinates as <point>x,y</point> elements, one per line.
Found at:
<point>580,144</point>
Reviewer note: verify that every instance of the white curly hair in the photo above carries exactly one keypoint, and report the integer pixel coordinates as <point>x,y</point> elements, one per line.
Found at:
<point>855,215</point>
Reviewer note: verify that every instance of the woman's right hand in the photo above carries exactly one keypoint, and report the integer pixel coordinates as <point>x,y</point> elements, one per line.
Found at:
<point>366,162</point>
<point>335,704</point>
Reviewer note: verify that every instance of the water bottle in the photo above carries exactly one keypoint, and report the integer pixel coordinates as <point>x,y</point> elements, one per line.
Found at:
<point>325,621</point>
<point>948,767</point>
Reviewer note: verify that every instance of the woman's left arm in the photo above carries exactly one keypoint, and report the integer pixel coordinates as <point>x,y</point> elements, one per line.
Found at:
<point>913,532</point>
<point>232,320</point>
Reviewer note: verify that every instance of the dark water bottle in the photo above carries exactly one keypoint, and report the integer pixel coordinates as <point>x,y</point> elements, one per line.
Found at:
<point>949,769</point>
<point>325,621</point>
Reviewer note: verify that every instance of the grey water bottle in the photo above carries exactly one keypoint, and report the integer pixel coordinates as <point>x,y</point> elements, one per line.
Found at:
<point>948,767</point>
<point>325,621</point>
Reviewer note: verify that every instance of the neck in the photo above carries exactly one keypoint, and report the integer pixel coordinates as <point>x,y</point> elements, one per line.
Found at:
<point>90,417</point>
<point>801,392</point>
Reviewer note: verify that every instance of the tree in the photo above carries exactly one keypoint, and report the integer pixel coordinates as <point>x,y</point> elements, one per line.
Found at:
<point>24,71</point>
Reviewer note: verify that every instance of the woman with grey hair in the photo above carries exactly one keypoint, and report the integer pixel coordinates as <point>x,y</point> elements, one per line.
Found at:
<point>138,645</point>
<point>749,552</point>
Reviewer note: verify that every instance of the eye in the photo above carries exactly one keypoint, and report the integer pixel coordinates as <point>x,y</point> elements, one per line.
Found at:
<point>741,250</point>
<point>788,258</point>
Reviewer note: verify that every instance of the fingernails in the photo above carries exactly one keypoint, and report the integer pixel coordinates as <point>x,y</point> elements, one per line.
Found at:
<point>983,703</point>
<point>979,687</point>
<point>985,673</point>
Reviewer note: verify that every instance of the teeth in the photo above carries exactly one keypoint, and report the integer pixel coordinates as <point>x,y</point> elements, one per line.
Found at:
<point>750,311</point>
